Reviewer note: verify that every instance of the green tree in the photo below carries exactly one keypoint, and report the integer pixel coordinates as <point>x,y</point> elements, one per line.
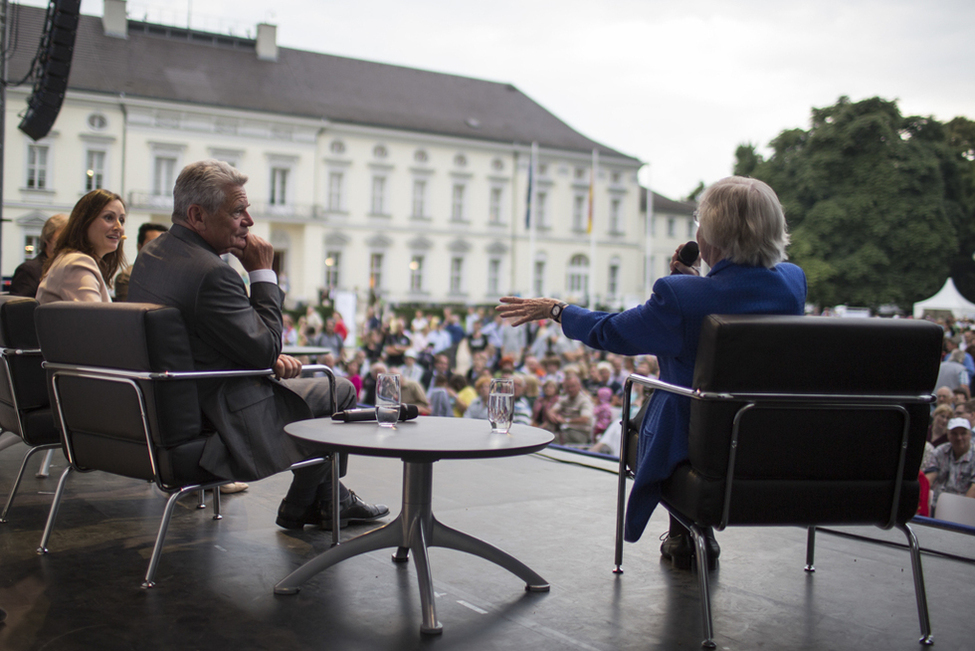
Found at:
<point>877,203</point>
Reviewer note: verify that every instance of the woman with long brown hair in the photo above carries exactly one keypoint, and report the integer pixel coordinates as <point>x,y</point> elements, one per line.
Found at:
<point>88,252</point>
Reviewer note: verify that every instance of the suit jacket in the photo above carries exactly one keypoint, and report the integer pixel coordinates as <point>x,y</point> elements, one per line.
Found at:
<point>227,330</point>
<point>669,326</point>
<point>27,276</point>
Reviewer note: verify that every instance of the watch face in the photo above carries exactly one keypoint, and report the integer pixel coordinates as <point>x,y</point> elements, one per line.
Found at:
<point>556,311</point>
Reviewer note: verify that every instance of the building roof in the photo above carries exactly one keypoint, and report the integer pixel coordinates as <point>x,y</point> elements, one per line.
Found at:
<point>662,204</point>
<point>200,68</point>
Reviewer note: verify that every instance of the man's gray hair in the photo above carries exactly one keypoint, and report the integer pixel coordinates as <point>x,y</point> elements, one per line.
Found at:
<point>204,183</point>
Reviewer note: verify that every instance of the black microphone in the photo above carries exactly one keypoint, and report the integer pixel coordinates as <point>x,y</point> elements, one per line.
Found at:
<point>688,255</point>
<point>406,412</point>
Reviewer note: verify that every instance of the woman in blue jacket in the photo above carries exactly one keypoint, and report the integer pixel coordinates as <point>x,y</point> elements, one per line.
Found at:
<point>742,235</point>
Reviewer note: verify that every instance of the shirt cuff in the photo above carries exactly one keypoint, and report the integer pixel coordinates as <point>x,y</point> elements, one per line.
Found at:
<point>263,276</point>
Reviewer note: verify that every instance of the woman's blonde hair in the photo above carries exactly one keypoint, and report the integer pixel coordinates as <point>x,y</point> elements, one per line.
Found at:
<point>743,218</point>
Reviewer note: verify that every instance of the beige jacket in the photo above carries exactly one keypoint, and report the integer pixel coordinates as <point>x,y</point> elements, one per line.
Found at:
<point>73,276</point>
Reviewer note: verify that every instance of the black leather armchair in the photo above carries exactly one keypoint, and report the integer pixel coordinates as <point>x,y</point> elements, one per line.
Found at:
<point>123,386</point>
<point>800,421</point>
<point>25,409</point>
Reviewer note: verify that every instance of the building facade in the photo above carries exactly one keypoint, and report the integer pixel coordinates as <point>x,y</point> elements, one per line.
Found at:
<point>388,182</point>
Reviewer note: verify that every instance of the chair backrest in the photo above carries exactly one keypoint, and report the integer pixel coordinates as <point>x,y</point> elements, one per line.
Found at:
<point>841,462</point>
<point>25,388</point>
<point>103,418</point>
<point>956,508</point>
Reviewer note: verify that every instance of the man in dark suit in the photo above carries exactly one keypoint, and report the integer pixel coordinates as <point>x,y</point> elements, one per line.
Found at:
<point>229,330</point>
<point>27,276</point>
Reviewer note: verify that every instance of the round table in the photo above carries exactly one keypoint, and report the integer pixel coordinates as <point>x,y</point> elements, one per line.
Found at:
<point>419,443</point>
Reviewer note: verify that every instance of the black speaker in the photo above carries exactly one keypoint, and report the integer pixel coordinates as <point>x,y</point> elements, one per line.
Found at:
<point>56,50</point>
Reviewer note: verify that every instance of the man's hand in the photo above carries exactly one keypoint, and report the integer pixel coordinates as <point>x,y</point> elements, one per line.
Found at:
<point>678,267</point>
<point>256,254</point>
<point>286,367</point>
<point>523,310</point>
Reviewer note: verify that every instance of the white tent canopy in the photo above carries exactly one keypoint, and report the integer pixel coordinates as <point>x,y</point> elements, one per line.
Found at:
<point>948,298</point>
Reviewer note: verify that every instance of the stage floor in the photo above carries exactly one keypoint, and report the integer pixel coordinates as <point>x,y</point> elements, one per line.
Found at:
<point>215,580</point>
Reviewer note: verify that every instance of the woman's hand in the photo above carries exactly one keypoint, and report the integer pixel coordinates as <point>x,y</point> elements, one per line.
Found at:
<point>678,267</point>
<point>523,310</point>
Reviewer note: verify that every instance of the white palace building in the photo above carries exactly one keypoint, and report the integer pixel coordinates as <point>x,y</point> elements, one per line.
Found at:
<point>364,176</point>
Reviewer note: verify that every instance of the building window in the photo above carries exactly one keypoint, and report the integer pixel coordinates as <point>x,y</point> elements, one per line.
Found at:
<point>580,173</point>
<point>380,151</point>
<point>615,177</point>
<point>279,186</point>
<point>337,147</point>
<point>494,206</point>
<point>94,170</point>
<point>97,122</point>
<point>419,198</point>
<point>613,278</point>
<point>541,215</point>
<point>671,227</point>
<point>542,169</point>
<point>376,271</point>
<point>333,268</point>
<point>416,273</point>
<point>691,229</point>
<point>539,279</point>
<point>615,217</point>
<point>32,245</point>
<point>163,176</point>
<point>37,171</point>
<point>420,156</point>
<point>460,160</point>
<point>579,213</point>
<point>497,165</point>
<point>494,276</point>
<point>578,280</point>
<point>456,275</point>
<point>457,203</point>
<point>378,195</point>
<point>653,226</point>
<point>335,191</point>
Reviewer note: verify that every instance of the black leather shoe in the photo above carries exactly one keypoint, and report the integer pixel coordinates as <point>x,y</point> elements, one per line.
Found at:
<point>293,516</point>
<point>680,550</point>
<point>354,510</point>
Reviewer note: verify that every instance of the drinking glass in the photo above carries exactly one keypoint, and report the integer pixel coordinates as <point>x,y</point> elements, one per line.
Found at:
<point>387,399</point>
<point>501,404</point>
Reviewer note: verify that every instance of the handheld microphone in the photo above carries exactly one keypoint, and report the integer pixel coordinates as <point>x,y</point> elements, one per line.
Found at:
<point>406,412</point>
<point>688,255</point>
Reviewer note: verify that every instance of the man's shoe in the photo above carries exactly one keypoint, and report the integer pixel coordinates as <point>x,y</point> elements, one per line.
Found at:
<point>681,551</point>
<point>293,516</point>
<point>354,510</point>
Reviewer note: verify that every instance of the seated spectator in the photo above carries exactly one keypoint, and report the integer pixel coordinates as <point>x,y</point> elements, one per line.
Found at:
<point>522,408</point>
<point>441,404</point>
<point>396,344</point>
<point>550,395</point>
<point>463,394</point>
<point>441,366</point>
<point>352,375</point>
<point>27,276</point>
<point>602,413</point>
<point>479,365</point>
<point>553,366</point>
<point>410,368</point>
<point>573,413</point>
<point>938,429</point>
<point>147,233</point>
<point>479,405</point>
<point>952,469</point>
<point>331,339</point>
<point>944,396</point>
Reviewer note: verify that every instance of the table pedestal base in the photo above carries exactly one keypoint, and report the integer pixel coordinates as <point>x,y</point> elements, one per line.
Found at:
<point>414,529</point>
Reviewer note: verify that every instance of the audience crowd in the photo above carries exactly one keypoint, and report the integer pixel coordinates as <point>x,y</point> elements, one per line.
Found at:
<point>446,363</point>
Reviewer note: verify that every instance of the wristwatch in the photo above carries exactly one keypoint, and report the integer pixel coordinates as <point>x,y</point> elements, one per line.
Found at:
<point>556,312</point>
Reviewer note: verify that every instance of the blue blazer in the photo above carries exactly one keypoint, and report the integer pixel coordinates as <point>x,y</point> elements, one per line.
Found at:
<point>668,326</point>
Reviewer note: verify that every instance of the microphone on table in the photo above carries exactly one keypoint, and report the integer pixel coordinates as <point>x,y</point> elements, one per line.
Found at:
<point>406,412</point>
<point>688,255</point>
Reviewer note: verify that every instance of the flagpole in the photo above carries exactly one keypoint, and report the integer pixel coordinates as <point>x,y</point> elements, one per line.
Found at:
<point>648,253</point>
<point>592,231</point>
<point>532,174</point>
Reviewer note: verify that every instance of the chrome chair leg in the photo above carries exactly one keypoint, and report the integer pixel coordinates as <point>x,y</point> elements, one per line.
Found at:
<point>810,549</point>
<point>20,477</point>
<point>55,505</point>
<point>202,495</point>
<point>45,468</point>
<point>702,578</point>
<point>161,537</point>
<point>216,503</point>
<point>927,637</point>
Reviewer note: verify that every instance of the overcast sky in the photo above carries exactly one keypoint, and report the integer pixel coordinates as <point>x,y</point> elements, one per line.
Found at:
<point>676,84</point>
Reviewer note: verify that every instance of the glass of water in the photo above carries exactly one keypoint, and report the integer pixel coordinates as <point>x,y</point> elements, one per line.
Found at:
<point>501,404</point>
<point>387,399</point>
